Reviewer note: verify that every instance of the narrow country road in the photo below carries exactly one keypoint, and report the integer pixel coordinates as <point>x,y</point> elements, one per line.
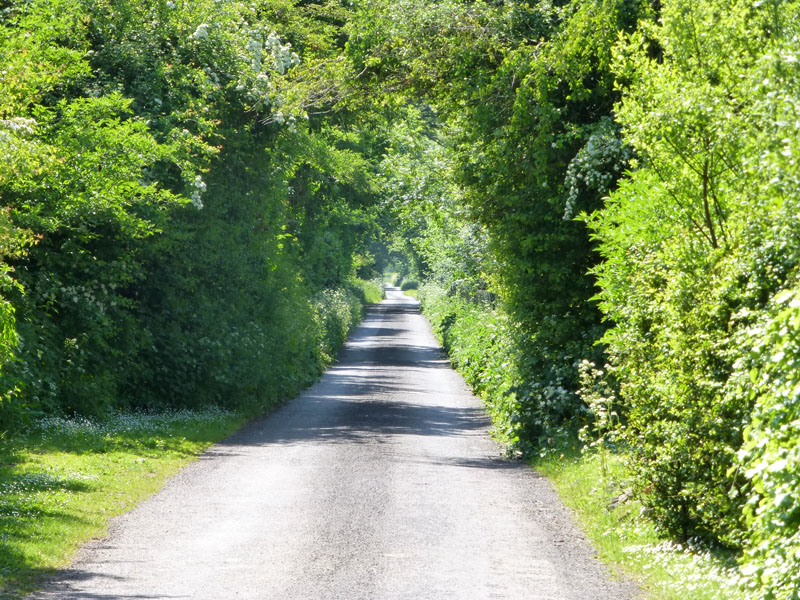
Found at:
<point>378,483</point>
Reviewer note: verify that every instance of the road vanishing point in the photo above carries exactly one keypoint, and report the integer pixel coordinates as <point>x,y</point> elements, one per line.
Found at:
<point>380,482</point>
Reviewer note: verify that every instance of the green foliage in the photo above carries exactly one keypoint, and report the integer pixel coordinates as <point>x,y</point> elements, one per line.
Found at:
<point>500,363</point>
<point>369,291</point>
<point>170,220</point>
<point>335,313</point>
<point>197,198</point>
<point>409,284</point>
<point>429,223</point>
<point>770,458</point>
<point>694,244</point>
<point>671,370</point>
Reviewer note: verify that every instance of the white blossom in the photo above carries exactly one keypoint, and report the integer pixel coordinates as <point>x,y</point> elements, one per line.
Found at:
<point>18,125</point>
<point>201,33</point>
<point>595,166</point>
<point>197,194</point>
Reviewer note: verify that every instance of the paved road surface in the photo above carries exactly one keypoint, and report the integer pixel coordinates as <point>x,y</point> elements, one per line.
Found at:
<point>378,483</point>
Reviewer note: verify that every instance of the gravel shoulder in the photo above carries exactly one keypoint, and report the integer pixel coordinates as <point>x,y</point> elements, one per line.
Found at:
<point>379,482</point>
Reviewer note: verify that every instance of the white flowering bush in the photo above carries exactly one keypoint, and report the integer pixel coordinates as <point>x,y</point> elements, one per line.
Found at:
<point>596,167</point>
<point>243,54</point>
<point>263,55</point>
<point>199,188</point>
<point>599,396</point>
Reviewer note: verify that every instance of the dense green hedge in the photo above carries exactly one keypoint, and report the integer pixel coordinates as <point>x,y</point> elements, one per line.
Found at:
<point>175,229</point>
<point>502,364</point>
<point>770,457</point>
<point>369,291</point>
<point>694,244</point>
<point>674,140</point>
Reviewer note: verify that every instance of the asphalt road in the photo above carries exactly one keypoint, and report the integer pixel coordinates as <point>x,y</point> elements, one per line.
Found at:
<point>378,483</point>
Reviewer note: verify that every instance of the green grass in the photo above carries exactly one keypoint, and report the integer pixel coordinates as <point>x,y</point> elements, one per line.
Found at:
<point>626,541</point>
<point>413,293</point>
<point>63,480</point>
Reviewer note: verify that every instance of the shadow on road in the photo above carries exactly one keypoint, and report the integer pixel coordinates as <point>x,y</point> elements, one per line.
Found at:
<point>385,384</point>
<point>73,577</point>
<point>367,421</point>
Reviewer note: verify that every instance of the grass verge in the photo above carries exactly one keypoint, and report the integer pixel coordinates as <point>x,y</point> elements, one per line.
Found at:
<point>413,293</point>
<point>64,479</point>
<point>626,541</point>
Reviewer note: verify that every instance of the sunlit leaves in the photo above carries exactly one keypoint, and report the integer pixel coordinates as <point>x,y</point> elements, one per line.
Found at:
<point>149,150</point>
<point>42,48</point>
<point>770,457</point>
<point>694,243</point>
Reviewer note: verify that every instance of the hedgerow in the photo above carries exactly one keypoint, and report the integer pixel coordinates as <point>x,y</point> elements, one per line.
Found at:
<point>694,243</point>
<point>669,129</point>
<point>173,221</point>
<point>769,457</point>
<point>529,405</point>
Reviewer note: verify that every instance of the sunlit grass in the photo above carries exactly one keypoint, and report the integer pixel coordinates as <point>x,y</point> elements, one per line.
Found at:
<point>627,542</point>
<point>63,480</point>
<point>413,293</point>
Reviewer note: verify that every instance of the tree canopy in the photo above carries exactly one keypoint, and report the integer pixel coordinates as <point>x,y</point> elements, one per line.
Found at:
<point>597,195</point>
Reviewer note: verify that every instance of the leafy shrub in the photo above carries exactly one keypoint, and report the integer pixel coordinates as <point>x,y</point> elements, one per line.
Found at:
<point>336,312</point>
<point>527,391</point>
<point>151,257</point>
<point>673,308</point>
<point>694,243</point>
<point>409,284</point>
<point>369,291</point>
<point>770,457</point>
